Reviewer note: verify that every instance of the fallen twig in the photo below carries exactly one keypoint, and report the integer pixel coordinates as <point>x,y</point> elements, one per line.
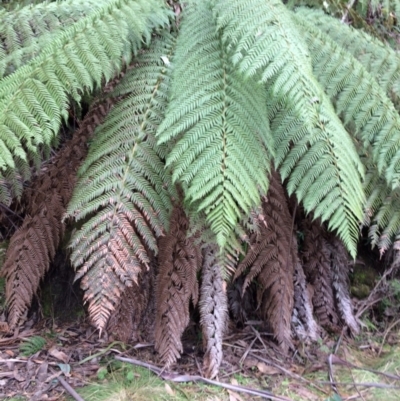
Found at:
<point>363,306</point>
<point>70,390</point>
<point>376,385</point>
<point>289,373</point>
<point>339,361</point>
<point>330,372</point>
<point>177,378</point>
<point>102,352</point>
<point>387,331</point>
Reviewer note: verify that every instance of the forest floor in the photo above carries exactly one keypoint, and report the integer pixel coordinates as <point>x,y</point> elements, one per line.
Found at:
<point>51,361</point>
<point>63,358</point>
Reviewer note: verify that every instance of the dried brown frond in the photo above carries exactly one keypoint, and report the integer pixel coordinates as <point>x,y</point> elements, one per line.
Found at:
<point>127,322</point>
<point>179,259</point>
<point>317,267</point>
<point>213,311</point>
<point>340,268</point>
<point>33,245</point>
<point>270,259</point>
<point>303,321</point>
<point>241,304</point>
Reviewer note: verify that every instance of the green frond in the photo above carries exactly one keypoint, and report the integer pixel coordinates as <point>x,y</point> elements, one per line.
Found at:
<point>25,31</point>
<point>264,41</point>
<point>358,98</point>
<point>34,99</point>
<point>124,191</point>
<point>219,126</point>
<point>382,207</point>
<point>313,150</point>
<point>379,59</point>
<point>323,169</point>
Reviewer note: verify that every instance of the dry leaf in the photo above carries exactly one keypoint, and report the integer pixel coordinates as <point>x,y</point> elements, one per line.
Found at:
<point>18,376</point>
<point>267,370</point>
<point>42,372</point>
<point>234,381</point>
<point>233,396</point>
<point>4,327</point>
<point>10,353</point>
<point>61,356</point>
<point>303,392</point>
<point>250,362</point>
<point>169,390</point>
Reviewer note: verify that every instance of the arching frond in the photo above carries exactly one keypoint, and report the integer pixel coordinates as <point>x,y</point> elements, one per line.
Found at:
<point>219,125</point>
<point>123,189</point>
<point>358,99</point>
<point>34,99</point>
<point>379,59</point>
<point>382,208</point>
<point>33,246</point>
<point>25,31</point>
<point>177,285</point>
<point>264,41</point>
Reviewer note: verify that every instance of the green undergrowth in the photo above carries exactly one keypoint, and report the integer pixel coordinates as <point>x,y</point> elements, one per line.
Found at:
<point>124,382</point>
<point>351,383</point>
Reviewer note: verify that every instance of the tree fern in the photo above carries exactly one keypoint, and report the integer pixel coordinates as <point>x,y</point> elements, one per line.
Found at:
<point>123,190</point>
<point>35,98</point>
<point>213,311</point>
<point>216,120</point>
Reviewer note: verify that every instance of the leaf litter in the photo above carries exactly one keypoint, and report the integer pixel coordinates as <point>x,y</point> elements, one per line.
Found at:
<point>73,354</point>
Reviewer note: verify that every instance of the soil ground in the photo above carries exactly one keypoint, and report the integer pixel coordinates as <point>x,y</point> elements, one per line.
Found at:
<point>35,362</point>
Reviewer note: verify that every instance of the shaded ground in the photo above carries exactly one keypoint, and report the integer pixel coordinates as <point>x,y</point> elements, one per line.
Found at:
<point>74,353</point>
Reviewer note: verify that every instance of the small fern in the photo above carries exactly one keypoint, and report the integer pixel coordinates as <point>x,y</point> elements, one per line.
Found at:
<point>32,345</point>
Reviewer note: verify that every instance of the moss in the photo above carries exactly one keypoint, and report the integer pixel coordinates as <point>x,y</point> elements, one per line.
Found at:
<point>362,280</point>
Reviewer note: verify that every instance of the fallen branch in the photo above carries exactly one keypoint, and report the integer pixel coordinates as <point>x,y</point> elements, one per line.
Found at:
<point>375,385</point>
<point>177,378</point>
<point>389,329</point>
<point>370,301</point>
<point>339,361</point>
<point>70,390</point>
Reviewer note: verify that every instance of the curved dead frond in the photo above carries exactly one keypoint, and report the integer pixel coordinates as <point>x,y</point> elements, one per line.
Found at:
<point>129,317</point>
<point>179,259</point>
<point>340,269</point>
<point>270,259</point>
<point>241,304</point>
<point>303,321</point>
<point>33,245</point>
<point>317,267</point>
<point>213,311</point>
